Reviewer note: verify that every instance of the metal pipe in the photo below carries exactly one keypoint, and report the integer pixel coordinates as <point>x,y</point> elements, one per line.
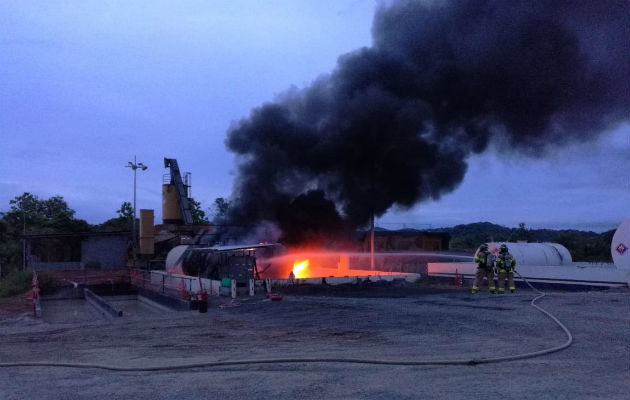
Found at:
<point>133,228</point>
<point>372,242</point>
<point>134,166</point>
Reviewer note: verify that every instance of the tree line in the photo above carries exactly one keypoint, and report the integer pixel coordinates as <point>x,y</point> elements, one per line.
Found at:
<point>33,215</point>
<point>584,246</point>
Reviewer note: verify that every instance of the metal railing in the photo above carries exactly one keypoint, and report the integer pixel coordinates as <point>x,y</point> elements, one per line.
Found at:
<point>172,285</point>
<point>176,286</point>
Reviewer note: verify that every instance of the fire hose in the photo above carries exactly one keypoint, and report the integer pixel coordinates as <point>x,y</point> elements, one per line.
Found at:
<point>209,364</point>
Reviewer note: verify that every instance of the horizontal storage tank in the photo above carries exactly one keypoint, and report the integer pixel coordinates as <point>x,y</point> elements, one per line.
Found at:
<point>212,262</point>
<point>175,259</point>
<point>535,253</point>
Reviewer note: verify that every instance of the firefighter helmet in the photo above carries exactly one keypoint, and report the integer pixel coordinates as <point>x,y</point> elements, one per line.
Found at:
<point>483,247</point>
<point>503,248</point>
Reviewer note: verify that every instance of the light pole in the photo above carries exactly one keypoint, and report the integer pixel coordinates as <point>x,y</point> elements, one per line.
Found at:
<point>134,166</point>
<point>23,238</point>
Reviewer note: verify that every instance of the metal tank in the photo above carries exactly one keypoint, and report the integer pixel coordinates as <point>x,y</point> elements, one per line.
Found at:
<point>542,254</point>
<point>175,259</point>
<point>170,205</point>
<point>236,262</point>
<point>620,246</point>
<point>212,262</point>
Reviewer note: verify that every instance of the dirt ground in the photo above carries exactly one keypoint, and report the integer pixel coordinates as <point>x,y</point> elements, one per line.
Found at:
<point>394,323</point>
<point>15,306</point>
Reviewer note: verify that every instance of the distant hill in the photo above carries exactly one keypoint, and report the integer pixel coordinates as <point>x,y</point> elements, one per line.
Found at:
<point>584,245</point>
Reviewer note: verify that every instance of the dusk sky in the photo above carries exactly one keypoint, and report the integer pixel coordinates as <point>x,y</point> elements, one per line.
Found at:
<point>85,86</point>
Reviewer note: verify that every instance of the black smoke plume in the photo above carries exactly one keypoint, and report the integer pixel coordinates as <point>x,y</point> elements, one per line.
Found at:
<point>394,123</point>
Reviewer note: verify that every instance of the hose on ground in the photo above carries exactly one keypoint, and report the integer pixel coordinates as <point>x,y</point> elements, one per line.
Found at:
<point>210,364</point>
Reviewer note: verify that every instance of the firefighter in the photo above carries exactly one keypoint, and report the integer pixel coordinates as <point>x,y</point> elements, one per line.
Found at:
<point>485,264</point>
<point>505,264</point>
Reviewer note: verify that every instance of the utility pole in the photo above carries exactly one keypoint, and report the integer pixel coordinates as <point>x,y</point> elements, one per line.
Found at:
<point>372,241</point>
<point>23,239</point>
<point>134,166</point>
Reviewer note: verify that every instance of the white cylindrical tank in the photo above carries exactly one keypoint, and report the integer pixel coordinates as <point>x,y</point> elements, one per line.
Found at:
<point>175,259</point>
<point>620,246</point>
<point>535,253</point>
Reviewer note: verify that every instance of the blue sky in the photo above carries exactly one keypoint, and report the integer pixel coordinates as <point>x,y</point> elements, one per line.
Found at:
<point>85,86</point>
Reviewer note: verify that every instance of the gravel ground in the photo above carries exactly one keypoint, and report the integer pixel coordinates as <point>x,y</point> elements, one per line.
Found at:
<point>376,323</point>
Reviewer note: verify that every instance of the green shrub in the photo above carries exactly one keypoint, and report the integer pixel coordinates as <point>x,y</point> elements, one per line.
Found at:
<point>15,282</point>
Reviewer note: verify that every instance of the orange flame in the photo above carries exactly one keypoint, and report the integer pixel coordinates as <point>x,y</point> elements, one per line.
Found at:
<point>316,263</point>
<point>300,269</point>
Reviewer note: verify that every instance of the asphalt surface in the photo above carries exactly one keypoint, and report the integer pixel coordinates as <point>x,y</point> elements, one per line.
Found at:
<point>377,323</point>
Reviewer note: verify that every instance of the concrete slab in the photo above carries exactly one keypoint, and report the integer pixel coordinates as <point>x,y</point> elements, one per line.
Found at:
<point>68,311</point>
<point>133,308</point>
<point>102,305</point>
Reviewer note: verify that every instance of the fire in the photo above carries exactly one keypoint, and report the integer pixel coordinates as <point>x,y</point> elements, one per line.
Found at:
<point>317,263</point>
<point>300,268</point>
